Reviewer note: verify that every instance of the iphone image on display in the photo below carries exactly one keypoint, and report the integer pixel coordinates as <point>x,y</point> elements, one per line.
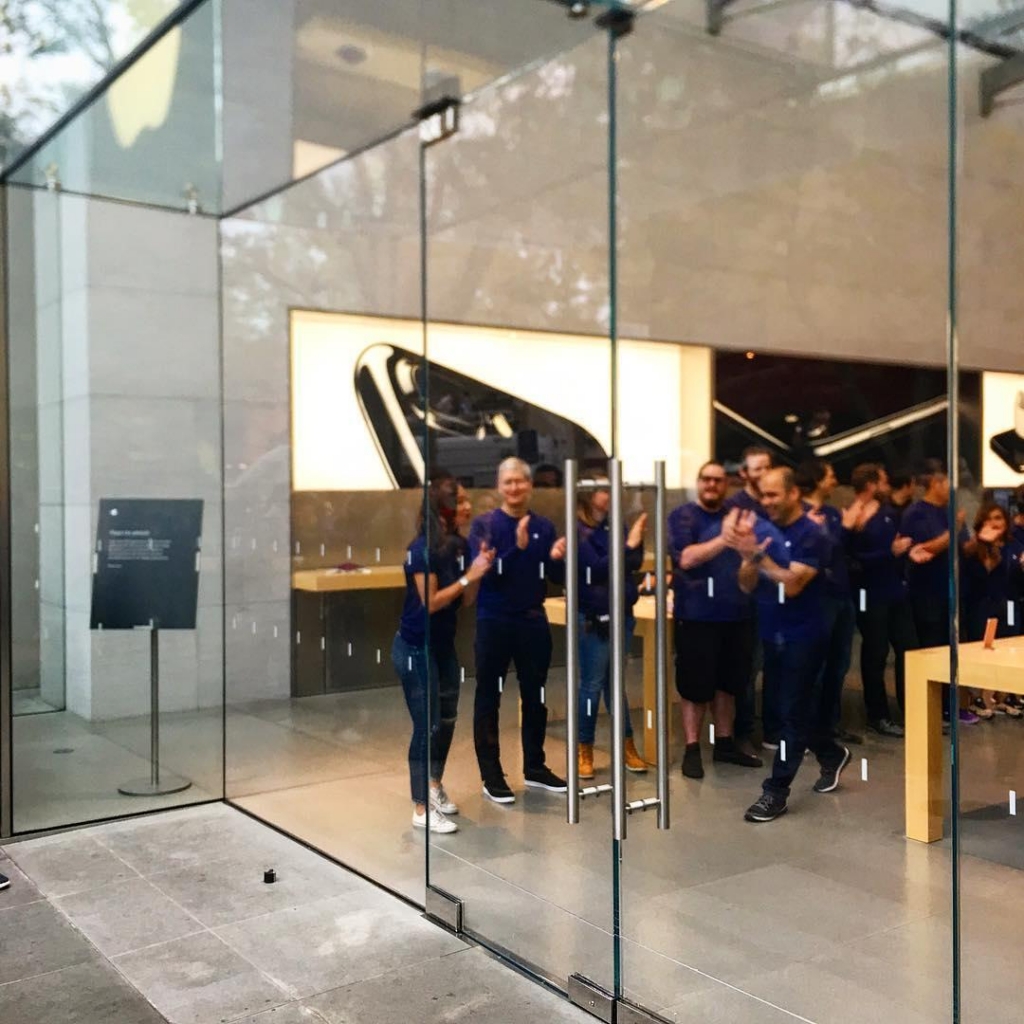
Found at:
<point>467,426</point>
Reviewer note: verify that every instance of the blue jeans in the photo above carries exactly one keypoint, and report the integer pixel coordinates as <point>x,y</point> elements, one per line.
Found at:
<point>595,678</point>
<point>429,746</point>
<point>791,671</point>
<point>840,618</point>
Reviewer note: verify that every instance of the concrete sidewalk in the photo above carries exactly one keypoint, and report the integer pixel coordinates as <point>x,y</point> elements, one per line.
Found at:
<point>168,918</point>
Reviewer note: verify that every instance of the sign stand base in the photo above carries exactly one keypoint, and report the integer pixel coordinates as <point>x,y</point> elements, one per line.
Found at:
<point>156,784</point>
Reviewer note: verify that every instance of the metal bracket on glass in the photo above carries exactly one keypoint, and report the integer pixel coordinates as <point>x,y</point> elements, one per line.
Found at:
<point>998,78</point>
<point>605,787</point>
<point>439,119</point>
<point>445,909</point>
<point>592,998</point>
<point>627,1013</point>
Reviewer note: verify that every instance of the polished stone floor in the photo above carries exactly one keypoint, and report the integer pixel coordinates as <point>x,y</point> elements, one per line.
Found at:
<point>167,917</point>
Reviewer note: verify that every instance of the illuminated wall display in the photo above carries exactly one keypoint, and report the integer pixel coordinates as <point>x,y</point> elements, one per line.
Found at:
<point>358,412</point>
<point>1002,430</point>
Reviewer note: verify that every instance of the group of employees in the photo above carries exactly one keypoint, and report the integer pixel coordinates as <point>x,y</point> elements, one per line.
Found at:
<point>770,581</point>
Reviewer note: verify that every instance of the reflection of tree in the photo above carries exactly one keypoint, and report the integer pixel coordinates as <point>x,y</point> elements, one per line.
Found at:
<point>52,51</point>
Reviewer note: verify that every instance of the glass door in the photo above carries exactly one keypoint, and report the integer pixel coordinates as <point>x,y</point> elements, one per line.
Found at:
<point>772,169</point>
<point>519,383</point>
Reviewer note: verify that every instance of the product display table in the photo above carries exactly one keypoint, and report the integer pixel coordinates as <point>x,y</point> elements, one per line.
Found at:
<point>1001,669</point>
<point>644,612</point>
<point>326,581</point>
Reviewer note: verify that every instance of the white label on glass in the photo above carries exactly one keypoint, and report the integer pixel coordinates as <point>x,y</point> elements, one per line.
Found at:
<point>782,594</point>
<point>863,769</point>
<point>863,600</point>
<point>711,586</point>
<point>588,575</point>
<point>1009,613</point>
<point>378,655</point>
<point>499,566</point>
<point>711,733</point>
<point>1013,802</point>
<point>782,749</point>
<point>542,570</point>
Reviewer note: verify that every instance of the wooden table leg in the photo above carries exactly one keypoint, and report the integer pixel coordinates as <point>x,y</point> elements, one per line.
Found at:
<point>926,805</point>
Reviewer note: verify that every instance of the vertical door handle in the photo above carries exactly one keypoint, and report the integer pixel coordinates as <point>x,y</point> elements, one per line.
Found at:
<point>661,638</point>
<point>572,648</point>
<point>617,609</point>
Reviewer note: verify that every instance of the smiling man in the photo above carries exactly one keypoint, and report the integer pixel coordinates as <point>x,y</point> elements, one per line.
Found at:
<point>784,573</point>
<point>512,628</point>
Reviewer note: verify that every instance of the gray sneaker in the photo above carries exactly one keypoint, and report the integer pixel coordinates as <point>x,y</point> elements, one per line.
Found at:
<point>4,882</point>
<point>830,776</point>
<point>886,727</point>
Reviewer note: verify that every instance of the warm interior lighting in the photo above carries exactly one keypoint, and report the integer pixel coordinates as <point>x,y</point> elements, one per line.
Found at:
<point>664,393</point>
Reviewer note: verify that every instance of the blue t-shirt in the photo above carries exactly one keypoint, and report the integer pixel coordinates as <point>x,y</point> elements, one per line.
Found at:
<point>922,522</point>
<point>1017,532</point>
<point>449,562</point>
<point>517,583</point>
<point>988,594</point>
<point>594,563</point>
<point>799,619</point>
<point>880,573</point>
<point>745,503</point>
<point>837,572</point>
<point>709,592</point>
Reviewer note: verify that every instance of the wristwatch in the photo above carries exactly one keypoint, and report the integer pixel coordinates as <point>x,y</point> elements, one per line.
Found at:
<point>463,582</point>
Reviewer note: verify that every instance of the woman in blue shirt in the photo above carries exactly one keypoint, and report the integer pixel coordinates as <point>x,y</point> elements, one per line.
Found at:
<point>595,640</point>
<point>991,584</point>
<point>438,578</point>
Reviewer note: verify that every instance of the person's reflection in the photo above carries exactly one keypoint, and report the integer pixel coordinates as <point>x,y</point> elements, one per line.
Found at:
<point>424,655</point>
<point>512,627</point>
<point>594,618</point>
<point>546,475</point>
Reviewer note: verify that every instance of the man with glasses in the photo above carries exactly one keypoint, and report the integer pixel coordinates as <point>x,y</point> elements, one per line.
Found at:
<point>714,632</point>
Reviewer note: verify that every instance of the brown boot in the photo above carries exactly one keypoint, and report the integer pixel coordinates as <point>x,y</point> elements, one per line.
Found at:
<point>634,762</point>
<point>586,760</point>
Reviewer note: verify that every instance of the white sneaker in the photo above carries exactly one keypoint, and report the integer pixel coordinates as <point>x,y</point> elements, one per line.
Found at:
<point>440,800</point>
<point>438,822</point>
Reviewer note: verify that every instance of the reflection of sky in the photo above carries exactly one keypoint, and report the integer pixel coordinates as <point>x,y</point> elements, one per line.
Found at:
<point>43,87</point>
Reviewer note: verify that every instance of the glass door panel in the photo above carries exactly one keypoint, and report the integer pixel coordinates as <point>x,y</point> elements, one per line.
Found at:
<point>782,222</point>
<point>519,368</point>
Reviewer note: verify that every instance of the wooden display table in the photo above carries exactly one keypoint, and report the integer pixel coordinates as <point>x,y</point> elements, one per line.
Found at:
<point>644,612</point>
<point>329,581</point>
<point>1001,669</point>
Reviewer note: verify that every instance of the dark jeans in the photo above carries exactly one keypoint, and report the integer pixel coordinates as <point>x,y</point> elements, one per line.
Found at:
<point>439,679</point>
<point>839,618</point>
<point>931,621</point>
<point>805,710</point>
<point>746,711</point>
<point>595,679</point>
<point>884,624</point>
<point>526,643</point>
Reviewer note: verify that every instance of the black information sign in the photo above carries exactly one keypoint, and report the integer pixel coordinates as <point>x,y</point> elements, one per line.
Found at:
<point>146,563</point>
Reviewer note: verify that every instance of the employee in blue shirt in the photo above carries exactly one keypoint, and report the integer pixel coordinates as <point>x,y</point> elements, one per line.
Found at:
<point>595,619</point>
<point>439,577</point>
<point>754,463</point>
<point>789,589</point>
<point>883,607</point>
<point>714,627</point>
<point>512,627</point>
<point>817,480</point>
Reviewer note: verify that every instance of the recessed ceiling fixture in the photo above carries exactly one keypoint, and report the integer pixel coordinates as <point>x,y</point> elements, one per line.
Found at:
<point>351,54</point>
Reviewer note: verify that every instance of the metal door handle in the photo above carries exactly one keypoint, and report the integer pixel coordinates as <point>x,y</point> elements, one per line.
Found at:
<point>572,648</point>
<point>617,608</point>
<point>661,638</point>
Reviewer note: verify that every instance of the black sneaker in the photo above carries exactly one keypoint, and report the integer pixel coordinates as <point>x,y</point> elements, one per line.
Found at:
<point>545,778</point>
<point>727,752</point>
<point>767,807</point>
<point>886,727</point>
<point>4,881</point>
<point>498,791</point>
<point>693,766</point>
<point>830,776</point>
<point>845,736</point>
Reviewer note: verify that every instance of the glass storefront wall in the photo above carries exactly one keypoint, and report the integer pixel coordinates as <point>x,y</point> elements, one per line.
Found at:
<point>676,259</point>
